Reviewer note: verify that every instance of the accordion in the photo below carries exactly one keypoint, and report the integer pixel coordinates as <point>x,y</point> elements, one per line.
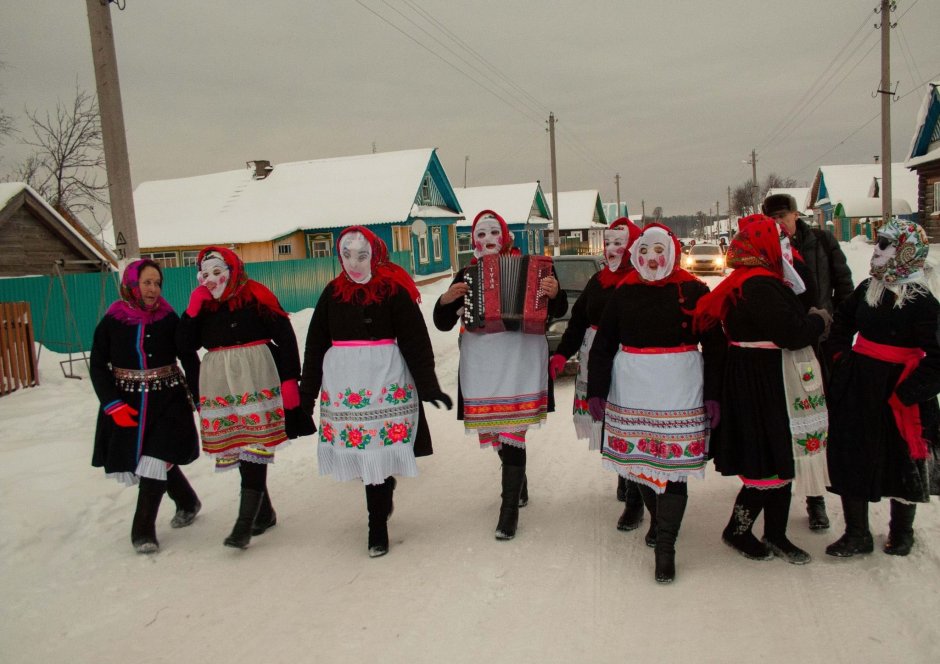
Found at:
<point>504,294</point>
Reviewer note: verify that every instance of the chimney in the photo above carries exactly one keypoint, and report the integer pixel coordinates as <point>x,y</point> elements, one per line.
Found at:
<point>262,168</point>
<point>877,159</point>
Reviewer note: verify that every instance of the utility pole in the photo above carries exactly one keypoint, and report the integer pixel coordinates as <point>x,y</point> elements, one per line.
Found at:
<point>114,140</point>
<point>617,180</point>
<point>556,240</point>
<point>887,6</point>
<point>643,211</point>
<point>466,160</point>
<point>755,189</point>
<point>729,208</point>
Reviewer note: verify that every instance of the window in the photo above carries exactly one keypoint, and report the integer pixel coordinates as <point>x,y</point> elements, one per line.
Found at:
<point>162,258</point>
<point>436,239</point>
<point>463,242</point>
<point>401,238</point>
<point>189,258</point>
<point>321,245</point>
<point>532,248</point>
<point>423,249</point>
<point>936,197</point>
<point>284,250</point>
<point>426,190</point>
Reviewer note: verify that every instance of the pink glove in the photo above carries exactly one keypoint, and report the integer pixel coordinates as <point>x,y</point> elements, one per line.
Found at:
<point>200,296</point>
<point>713,410</point>
<point>123,415</point>
<point>290,394</point>
<point>596,407</point>
<point>556,365</point>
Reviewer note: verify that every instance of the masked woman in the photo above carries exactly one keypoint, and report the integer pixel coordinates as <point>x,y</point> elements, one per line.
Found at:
<point>145,424</point>
<point>773,412</point>
<point>578,337</point>
<point>504,388</point>
<point>369,362</point>
<point>655,392</point>
<point>249,400</point>
<point>883,393</point>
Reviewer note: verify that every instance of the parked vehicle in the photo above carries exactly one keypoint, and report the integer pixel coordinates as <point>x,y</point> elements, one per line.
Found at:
<point>705,258</point>
<point>573,274</point>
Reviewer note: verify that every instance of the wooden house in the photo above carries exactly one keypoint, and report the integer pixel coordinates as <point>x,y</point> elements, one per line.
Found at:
<point>924,160</point>
<point>35,239</point>
<point>269,212</point>
<point>581,222</point>
<point>522,206</point>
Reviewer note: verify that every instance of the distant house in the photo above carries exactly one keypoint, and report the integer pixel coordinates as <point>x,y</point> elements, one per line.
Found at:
<point>846,199</point>
<point>581,222</point>
<point>924,160</point>
<point>612,211</point>
<point>35,239</point>
<point>296,210</point>
<point>522,206</point>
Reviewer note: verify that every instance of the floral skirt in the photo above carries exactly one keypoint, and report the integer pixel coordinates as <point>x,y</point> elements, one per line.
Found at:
<point>584,425</point>
<point>240,406</point>
<point>368,413</point>
<point>655,428</point>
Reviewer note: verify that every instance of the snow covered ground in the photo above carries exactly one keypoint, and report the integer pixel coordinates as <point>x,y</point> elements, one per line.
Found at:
<point>569,588</point>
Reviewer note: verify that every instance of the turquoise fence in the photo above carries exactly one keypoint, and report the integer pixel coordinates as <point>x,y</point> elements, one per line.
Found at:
<point>66,309</point>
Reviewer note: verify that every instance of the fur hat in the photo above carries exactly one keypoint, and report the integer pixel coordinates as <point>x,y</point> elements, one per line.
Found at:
<point>779,203</point>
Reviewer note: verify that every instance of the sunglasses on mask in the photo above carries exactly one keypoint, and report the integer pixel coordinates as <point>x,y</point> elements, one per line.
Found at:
<point>884,243</point>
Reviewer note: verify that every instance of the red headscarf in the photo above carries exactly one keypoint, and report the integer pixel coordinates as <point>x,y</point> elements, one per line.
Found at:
<point>387,277</point>
<point>754,252</point>
<point>240,291</point>
<point>608,278</point>
<point>506,249</point>
<point>677,276</point>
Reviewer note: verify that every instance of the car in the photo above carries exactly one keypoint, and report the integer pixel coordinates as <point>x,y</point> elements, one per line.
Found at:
<point>573,274</point>
<point>707,258</point>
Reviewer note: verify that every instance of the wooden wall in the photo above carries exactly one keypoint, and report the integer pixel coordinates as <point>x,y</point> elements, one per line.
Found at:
<point>28,246</point>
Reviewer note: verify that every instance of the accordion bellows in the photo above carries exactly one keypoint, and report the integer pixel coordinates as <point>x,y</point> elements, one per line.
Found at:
<point>504,294</point>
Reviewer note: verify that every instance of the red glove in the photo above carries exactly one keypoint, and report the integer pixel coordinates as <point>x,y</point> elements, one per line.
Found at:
<point>556,365</point>
<point>123,415</point>
<point>713,410</point>
<point>200,296</point>
<point>290,394</point>
<point>596,407</point>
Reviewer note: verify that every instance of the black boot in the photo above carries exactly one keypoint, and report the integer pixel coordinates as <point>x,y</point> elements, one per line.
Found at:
<point>857,538</point>
<point>737,534</point>
<point>669,510</point>
<point>648,498</point>
<point>632,515</point>
<point>513,476</point>
<point>524,494</point>
<point>816,510</point>
<point>144,526</point>
<point>247,512</point>
<point>776,515</point>
<point>621,488</point>
<point>181,493</point>
<point>267,517</point>
<point>379,504</point>
<point>901,529</point>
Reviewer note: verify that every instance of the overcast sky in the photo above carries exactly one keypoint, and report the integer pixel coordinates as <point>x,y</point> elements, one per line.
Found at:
<point>672,95</point>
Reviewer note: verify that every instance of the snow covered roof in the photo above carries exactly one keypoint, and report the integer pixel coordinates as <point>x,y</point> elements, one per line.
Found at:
<point>513,202</point>
<point>10,190</point>
<point>578,209</point>
<point>801,194</point>
<point>923,149</point>
<point>235,207</point>
<point>854,181</point>
<point>871,207</point>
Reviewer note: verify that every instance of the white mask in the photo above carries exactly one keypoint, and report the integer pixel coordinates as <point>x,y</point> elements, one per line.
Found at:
<point>790,276</point>
<point>615,245</point>
<point>355,253</point>
<point>487,237</point>
<point>653,254</point>
<point>214,274</point>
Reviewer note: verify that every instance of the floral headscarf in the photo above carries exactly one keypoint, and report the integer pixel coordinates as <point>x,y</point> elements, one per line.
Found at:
<point>906,262</point>
<point>130,308</point>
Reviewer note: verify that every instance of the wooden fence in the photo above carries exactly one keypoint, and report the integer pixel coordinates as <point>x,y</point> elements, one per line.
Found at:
<point>18,367</point>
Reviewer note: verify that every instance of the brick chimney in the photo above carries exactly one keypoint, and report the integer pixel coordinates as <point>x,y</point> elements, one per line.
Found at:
<point>262,168</point>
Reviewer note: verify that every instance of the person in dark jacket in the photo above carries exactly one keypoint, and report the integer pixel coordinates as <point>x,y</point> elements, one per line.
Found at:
<point>368,361</point>
<point>655,392</point>
<point>249,401</point>
<point>831,284</point>
<point>579,336</point>
<point>883,395</point>
<point>504,388</point>
<point>773,410</point>
<point>145,428</point>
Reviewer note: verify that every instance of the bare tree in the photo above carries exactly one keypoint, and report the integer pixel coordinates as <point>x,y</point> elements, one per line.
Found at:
<point>742,199</point>
<point>774,181</point>
<point>67,166</point>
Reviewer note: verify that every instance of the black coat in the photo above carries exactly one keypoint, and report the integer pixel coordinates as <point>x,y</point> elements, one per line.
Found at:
<point>867,456</point>
<point>646,316</point>
<point>166,429</point>
<point>826,263</point>
<point>397,317</point>
<point>224,327</point>
<point>585,312</point>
